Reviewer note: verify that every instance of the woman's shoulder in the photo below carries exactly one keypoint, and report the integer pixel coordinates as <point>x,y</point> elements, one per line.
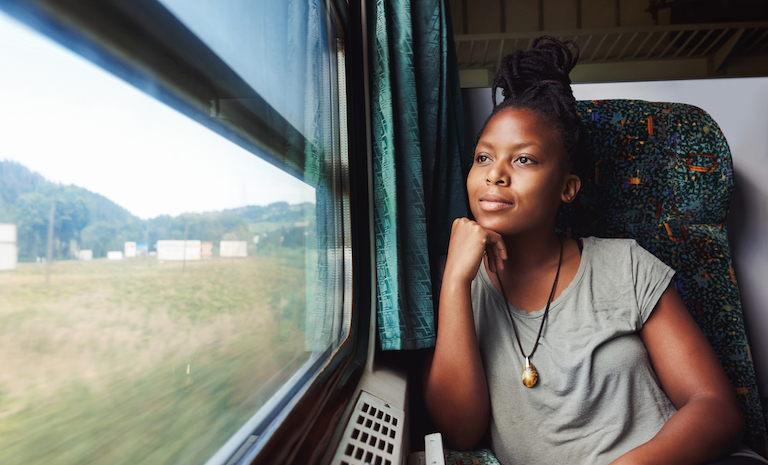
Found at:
<point>618,252</point>
<point>610,245</point>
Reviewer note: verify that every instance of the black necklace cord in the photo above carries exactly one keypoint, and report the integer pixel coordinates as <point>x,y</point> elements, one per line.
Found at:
<point>546,309</point>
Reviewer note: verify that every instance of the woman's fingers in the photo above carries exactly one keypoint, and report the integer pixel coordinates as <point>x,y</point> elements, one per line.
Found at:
<point>496,251</point>
<point>469,242</point>
<point>491,260</point>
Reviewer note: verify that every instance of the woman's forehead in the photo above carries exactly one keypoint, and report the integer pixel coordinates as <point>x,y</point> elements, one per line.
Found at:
<point>513,124</point>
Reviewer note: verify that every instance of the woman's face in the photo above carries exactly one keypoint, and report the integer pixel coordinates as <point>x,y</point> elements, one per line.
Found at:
<point>518,180</point>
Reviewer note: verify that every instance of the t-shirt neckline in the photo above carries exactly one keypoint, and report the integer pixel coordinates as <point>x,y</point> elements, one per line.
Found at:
<point>585,254</point>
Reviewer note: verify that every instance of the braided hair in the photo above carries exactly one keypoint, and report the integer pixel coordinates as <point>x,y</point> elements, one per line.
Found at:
<point>538,80</point>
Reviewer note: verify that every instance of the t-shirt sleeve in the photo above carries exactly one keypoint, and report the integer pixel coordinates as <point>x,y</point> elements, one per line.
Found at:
<point>651,276</point>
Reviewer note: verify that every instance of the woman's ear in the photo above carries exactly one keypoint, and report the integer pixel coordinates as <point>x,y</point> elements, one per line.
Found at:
<point>571,186</point>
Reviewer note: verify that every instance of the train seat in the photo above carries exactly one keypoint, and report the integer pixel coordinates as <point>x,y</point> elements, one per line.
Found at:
<point>662,173</point>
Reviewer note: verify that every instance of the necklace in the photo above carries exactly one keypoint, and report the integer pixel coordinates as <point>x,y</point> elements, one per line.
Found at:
<point>530,374</point>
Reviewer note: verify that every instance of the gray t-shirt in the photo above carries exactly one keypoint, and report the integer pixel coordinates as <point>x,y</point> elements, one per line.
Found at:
<point>597,396</point>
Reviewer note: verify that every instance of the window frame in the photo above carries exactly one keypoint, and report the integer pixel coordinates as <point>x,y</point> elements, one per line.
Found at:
<point>134,40</point>
<point>309,432</point>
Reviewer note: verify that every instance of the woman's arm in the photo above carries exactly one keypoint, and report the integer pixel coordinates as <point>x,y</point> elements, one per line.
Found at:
<point>708,423</point>
<point>455,388</point>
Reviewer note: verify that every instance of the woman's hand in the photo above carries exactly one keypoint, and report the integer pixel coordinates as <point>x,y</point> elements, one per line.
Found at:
<point>469,241</point>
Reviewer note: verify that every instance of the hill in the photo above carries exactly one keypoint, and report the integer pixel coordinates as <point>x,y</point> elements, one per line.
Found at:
<point>87,220</point>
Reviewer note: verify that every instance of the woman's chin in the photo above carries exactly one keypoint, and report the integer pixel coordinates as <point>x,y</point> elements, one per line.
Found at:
<point>495,226</point>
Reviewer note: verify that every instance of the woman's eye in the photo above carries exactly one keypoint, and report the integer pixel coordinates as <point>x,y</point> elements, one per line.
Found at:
<point>524,160</point>
<point>481,158</point>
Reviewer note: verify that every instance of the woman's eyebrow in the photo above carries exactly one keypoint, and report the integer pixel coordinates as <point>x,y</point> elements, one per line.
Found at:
<point>525,145</point>
<point>485,144</point>
<point>518,146</point>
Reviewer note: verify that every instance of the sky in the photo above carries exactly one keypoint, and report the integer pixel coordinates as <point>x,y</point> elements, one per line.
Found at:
<point>75,123</point>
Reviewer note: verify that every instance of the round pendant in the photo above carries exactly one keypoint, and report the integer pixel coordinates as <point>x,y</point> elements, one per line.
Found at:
<point>530,375</point>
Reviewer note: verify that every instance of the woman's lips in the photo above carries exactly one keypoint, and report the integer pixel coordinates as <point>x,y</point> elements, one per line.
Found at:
<point>494,205</point>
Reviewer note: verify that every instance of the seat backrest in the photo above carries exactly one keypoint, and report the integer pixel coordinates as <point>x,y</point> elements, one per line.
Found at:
<point>662,173</point>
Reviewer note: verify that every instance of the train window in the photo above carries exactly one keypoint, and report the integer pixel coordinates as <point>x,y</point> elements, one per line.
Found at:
<point>173,274</point>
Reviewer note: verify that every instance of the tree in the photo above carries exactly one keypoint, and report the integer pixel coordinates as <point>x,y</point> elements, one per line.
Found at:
<point>31,224</point>
<point>100,237</point>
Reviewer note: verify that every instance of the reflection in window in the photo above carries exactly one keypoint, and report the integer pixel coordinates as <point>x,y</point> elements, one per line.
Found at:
<point>279,48</point>
<point>159,283</point>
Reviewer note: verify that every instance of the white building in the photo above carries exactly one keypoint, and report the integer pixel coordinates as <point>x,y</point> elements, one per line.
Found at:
<point>114,255</point>
<point>86,254</point>
<point>178,250</point>
<point>130,250</point>
<point>238,249</point>
<point>9,254</point>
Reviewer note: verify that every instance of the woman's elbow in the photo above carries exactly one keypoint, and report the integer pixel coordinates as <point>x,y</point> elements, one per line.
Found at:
<point>729,422</point>
<point>739,427</point>
<point>463,438</point>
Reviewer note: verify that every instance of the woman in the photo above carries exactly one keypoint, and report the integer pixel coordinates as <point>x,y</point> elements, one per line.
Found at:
<point>626,376</point>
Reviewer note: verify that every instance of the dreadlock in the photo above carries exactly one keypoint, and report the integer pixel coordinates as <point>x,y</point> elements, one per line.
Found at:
<point>538,80</point>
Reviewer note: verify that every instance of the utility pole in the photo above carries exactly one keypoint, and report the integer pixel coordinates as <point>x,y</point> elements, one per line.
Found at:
<point>184,259</point>
<point>49,256</point>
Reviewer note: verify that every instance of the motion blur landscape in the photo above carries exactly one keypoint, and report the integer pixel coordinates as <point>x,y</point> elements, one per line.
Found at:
<point>140,359</point>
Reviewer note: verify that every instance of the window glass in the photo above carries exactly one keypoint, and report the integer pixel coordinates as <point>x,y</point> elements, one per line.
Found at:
<point>279,48</point>
<point>160,284</point>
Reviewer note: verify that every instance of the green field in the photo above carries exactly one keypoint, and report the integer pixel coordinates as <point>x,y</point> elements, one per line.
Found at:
<point>139,361</point>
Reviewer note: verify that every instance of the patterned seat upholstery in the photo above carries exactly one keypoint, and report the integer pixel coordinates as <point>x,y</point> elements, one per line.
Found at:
<point>662,173</point>
<point>472,457</point>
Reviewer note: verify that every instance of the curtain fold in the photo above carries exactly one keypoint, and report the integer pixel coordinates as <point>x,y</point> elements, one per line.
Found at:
<point>419,162</point>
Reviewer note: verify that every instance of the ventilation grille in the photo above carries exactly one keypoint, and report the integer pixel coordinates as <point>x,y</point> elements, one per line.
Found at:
<point>374,434</point>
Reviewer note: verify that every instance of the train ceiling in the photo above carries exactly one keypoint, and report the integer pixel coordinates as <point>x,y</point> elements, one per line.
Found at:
<point>656,40</point>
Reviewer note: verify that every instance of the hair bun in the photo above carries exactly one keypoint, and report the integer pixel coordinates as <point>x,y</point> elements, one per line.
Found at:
<point>538,80</point>
<point>548,63</point>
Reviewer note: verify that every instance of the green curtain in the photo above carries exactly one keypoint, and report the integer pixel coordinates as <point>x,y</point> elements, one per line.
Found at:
<point>418,162</point>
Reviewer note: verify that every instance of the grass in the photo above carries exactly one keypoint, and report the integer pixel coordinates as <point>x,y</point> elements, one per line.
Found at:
<point>135,361</point>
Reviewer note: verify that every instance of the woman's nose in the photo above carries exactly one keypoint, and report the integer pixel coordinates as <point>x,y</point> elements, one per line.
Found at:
<point>497,175</point>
